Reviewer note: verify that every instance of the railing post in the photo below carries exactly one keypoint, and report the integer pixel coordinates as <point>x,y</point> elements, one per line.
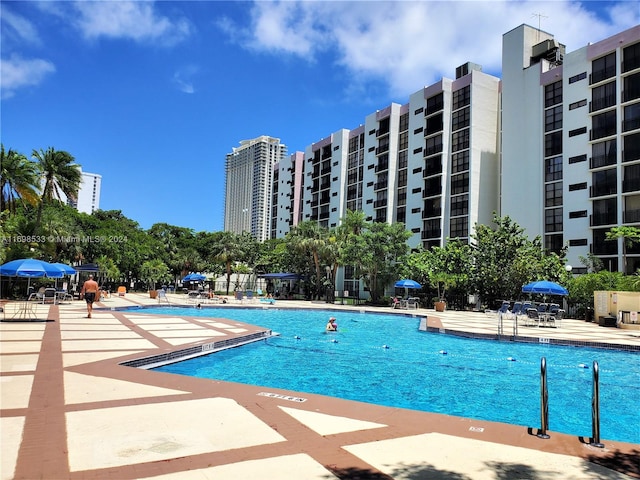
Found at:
<point>595,408</point>
<point>544,401</point>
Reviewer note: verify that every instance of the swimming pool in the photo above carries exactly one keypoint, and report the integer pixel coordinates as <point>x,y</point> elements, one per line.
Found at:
<point>482,379</point>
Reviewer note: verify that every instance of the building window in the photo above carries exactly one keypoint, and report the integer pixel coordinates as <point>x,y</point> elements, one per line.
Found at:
<point>631,117</point>
<point>433,165</point>
<point>577,131</point>
<point>460,140</point>
<point>578,104</point>
<point>459,183</point>
<point>404,122</point>
<point>553,243</point>
<point>604,182</point>
<point>578,214</point>
<point>553,119</point>
<point>403,141</point>
<point>553,144</point>
<point>578,158</point>
<point>603,96</point>
<point>631,89</point>
<point>432,208</point>
<point>434,124</point>
<point>460,119</point>
<point>553,194</point>
<point>553,94</point>
<point>433,145</point>
<point>579,242</point>
<point>418,111</point>
<point>402,178</point>
<point>631,147</point>
<point>460,162</point>
<point>603,68</point>
<point>553,220</point>
<point>577,78</point>
<point>459,227</point>
<point>631,57</point>
<point>603,125</point>
<point>553,169</point>
<point>461,98</point>
<point>605,212</point>
<point>435,103</point>
<point>460,205</point>
<point>577,186</point>
<point>631,178</point>
<point>604,153</point>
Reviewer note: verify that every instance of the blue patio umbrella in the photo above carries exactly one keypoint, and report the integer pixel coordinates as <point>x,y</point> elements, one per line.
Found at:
<point>545,287</point>
<point>31,268</point>
<point>66,269</point>
<point>407,284</point>
<point>194,277</point>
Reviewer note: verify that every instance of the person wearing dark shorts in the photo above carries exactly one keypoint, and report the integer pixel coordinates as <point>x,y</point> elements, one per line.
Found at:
<point>89,291</point>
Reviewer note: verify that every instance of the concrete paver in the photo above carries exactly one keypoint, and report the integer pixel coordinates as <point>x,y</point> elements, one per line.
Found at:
<point>69,410</point>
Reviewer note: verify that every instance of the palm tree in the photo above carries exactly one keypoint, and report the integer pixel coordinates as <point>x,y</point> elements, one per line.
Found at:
<point>310,238</point>
<point>61,176</point>
<point>18,179</point>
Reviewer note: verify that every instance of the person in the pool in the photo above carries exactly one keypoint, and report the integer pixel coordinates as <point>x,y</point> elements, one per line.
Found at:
<point>332,326</point>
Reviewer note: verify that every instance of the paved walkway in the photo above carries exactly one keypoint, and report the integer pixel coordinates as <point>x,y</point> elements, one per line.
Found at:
<point>70,410</point>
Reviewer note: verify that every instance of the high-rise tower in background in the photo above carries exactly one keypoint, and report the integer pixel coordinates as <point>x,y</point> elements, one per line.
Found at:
<point>248,186</point>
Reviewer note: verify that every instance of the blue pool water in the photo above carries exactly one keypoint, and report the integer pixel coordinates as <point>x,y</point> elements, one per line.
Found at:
<point>475,379</point>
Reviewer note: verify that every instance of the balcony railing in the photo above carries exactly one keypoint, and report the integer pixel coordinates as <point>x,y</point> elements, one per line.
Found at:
<point>602,190</point>
<point>631,216</point>
<point>600,75</point>
<point>598,219</point>
<point>432,233</point>
<point>380,203</point>
<point>630,185</point>
<point>602,161</point>
<point>432,213</point>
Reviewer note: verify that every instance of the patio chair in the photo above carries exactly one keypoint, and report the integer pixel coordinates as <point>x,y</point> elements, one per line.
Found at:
<point>250,295</point>
<point>413,303</point>
<point>532,319</point>
<point>240,296</point>
<point>38,296</point>
<point>49,296</point>
<point>556,318</point>
<point>122,290</point>
<point>162,297</point>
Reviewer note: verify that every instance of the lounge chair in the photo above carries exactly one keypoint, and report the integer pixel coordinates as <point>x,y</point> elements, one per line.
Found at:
<point>270,301</point>
<point>193,296</point>
<point>122,290</point>
<point>38,296</point>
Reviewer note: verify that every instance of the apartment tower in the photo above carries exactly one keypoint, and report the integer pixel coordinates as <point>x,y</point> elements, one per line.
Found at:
<point>248,186</point>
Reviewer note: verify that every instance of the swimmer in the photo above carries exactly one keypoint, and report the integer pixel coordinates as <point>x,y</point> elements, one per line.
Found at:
<point>332,326</point>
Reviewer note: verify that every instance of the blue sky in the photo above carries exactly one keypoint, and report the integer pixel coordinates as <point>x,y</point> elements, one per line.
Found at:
<point>153,95</point>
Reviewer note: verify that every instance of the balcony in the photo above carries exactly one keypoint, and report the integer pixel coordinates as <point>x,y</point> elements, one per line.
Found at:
<point>431,233</point>
<point>602,103</point>
<point>602,161</point>
<point>602,132</point>
<point>631,184</point>
<point>600,75</point>
<point>628,125</point>
<point>599,219</point>
<point>602,190</point>
<point>432,213</point>
<point>631,216</point>
<point>380,203</point>
<point>380,185</point>
<point>382,166</point>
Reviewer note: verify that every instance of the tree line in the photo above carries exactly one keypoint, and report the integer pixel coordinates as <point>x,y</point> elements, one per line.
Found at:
<point>494,264</point>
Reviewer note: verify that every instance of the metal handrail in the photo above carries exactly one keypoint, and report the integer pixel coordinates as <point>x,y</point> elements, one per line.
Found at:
<point>544,401</point>
<point>595,408</point>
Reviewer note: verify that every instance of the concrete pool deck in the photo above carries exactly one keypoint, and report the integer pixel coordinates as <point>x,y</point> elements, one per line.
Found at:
<point>69,410</point>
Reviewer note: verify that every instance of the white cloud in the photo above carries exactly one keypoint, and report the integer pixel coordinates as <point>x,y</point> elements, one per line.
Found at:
<point>18,72</point>
<point>138,21</point>
<point>183,78</point>
<point>16,29</point>
<point>410,44</point>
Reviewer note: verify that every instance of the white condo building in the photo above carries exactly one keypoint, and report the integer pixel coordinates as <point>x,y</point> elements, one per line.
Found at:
<point>248,185</point>
<point>88,200</point>
<point>554,144</point>
<point>571,142</point>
